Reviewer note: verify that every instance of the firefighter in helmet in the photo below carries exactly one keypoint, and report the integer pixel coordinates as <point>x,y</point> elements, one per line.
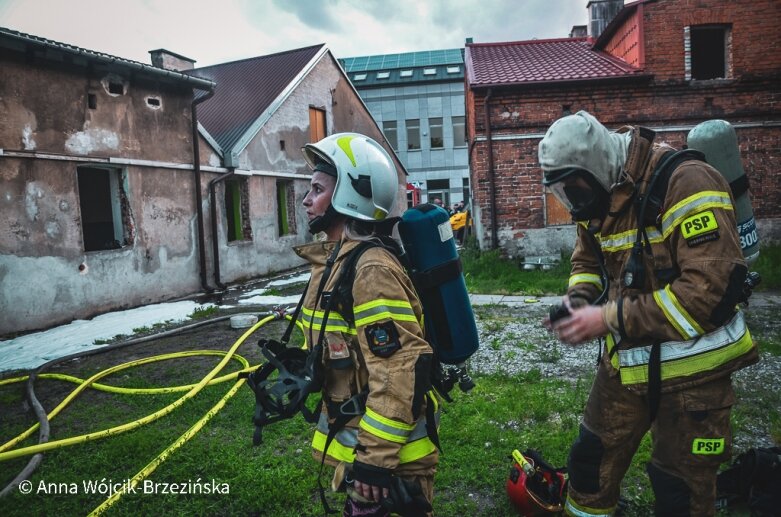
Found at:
<point>673,334</point>
<point>379,417</point>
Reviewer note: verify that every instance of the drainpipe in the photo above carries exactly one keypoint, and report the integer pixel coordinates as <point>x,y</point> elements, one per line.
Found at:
<point>215,240</point>
<point>491,179</point>
<point>198,193</point>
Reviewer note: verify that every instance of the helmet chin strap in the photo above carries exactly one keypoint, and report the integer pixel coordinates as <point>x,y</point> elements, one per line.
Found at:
<point>322,222</point>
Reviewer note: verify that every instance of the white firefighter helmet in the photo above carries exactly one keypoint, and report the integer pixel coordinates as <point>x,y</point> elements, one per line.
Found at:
<point>366,180</point>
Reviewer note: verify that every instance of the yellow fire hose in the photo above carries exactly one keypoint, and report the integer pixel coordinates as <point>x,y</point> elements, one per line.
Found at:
<point>192,390</point>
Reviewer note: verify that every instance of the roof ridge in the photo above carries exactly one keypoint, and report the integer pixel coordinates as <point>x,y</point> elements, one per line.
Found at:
<point>528,42</point>
<point>275,54</point>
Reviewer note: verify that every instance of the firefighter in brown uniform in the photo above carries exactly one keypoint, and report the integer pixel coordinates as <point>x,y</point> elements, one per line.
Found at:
<point>673,332</point>
<point>376,363</point>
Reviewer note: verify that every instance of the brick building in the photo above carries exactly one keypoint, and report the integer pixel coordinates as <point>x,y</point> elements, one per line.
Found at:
<point>664,64</point>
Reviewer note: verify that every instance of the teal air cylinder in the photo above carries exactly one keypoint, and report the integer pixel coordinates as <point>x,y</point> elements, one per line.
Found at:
<point>435,267</point>
<point>717,140</point>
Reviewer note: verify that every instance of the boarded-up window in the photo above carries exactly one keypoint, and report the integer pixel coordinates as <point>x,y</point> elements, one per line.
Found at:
<point>316,124</point>
<point>237,210</point>
<point>555,213</point>
<point>104,208</point>
<point>286,210</point>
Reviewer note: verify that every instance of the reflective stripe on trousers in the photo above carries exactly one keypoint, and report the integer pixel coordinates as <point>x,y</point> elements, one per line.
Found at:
<point>342,447</point>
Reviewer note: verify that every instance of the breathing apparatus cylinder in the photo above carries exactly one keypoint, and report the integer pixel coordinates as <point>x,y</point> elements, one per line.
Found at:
<point>427,237</point>
<point>716,139</point>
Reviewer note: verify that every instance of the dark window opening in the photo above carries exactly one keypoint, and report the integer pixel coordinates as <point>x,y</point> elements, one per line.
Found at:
<point>92,101</point>
<point>102,209</point>
<point>286,213</point>
<point>237,210</point>
<point>566,109</point>
<point>391,133</point>
<point>435,133</point>
<point>281,145</point>
<point>153,101</point>
<point>413,134</point>
<point>708,53</point>
<point>116,88</point>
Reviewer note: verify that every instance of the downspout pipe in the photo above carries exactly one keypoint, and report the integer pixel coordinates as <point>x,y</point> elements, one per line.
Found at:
<point>215,236</point>
<point>491,175</point>
<point>198,192</point>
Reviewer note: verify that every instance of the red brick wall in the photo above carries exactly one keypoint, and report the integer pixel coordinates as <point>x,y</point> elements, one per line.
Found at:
<point>665,102</point>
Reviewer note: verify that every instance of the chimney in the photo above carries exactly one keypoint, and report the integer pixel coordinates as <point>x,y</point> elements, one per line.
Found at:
<point>162,58</point>
<point>601,13</point>
<point>579,31</point>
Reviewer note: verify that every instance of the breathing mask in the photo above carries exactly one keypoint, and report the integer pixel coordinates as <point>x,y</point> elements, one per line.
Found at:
<point>579,191</point>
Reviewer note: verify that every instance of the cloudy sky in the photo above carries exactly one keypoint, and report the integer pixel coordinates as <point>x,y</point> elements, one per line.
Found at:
<point>217,31</point>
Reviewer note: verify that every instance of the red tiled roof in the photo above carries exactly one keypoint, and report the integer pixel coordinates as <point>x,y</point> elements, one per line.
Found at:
<point>245,90</point>
<point>540,61</point>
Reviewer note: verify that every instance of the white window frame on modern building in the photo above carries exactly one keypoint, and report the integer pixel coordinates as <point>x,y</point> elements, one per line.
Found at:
<point>429,71</point>
<point>383,75</point>
<point>413,134</point>
<point>699,49</point>
<point>359,77</point>
<point>453,69</point>
<point>405,73</point>
<point>436,136</point>
<point>459,130</point>
<point>390,129</point>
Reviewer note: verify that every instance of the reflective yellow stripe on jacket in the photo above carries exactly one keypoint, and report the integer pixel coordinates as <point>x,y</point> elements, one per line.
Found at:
<point>691,205</point>
<point>676,314</point>
<point>683,358</point>
<point>314,320</point>
<point>585,278</point>
<point>382,309</point>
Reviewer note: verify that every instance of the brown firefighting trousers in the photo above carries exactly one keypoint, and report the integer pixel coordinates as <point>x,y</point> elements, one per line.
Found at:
<point>691,437</point>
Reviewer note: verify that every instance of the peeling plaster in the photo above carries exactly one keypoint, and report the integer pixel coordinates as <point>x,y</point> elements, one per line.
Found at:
<point>32,194</point>
<point>92,139</point>
<point>64,206</point>
<point>27,138</point>
<point>214,160</point>
<point>53,229</point>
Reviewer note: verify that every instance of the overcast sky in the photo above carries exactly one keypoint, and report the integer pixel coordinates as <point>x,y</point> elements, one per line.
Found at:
<point>217,31</point>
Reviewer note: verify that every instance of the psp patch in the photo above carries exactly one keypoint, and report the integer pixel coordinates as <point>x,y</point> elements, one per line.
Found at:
<point>383,339</point>
<point>700,228</point>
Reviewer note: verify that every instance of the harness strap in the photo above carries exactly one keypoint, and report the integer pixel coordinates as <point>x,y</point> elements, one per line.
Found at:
<point>289,331</point>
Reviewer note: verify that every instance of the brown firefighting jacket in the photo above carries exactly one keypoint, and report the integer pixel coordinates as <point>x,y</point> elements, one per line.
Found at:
<point>693,277</point>
<point>385,350</point>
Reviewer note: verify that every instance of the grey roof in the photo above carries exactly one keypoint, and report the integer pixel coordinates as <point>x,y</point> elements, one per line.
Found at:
<point>77,56</point>
<point>246,89</point>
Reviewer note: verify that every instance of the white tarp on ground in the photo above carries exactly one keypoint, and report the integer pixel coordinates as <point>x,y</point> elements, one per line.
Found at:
<point>32,350</point>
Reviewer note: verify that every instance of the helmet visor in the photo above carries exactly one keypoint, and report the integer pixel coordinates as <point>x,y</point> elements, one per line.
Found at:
<point>577,190</point>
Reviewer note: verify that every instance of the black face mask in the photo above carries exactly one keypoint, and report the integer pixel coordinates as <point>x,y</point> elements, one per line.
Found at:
<point>588,203</point>
<point>323,222</point>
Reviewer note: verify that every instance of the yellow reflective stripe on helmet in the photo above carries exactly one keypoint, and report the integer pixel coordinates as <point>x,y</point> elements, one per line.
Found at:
<point>387,429</point>
<point>314,320</point>
<point>625,240</point>
<point>585,278</point>
<point>691,205</point>
<point>683,358</point>
<point>375,310</point>
<point>573,508</point>
<point>344,144</point>
<point>686,326</point>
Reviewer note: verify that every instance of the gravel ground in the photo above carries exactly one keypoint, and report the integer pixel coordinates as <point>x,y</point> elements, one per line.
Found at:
<point>513,341</point>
